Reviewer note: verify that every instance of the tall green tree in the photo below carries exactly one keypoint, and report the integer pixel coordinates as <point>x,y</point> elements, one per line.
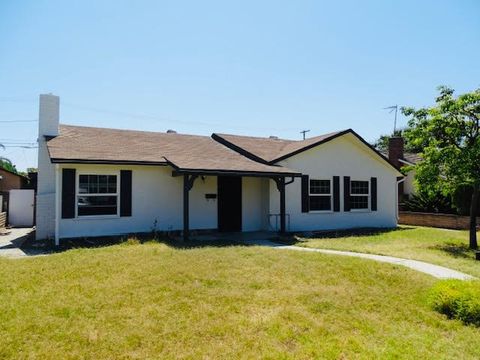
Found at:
<point>449,134</point>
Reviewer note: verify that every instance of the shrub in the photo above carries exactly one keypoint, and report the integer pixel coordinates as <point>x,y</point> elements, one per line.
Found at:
<point>424,202</point>
<point>132,241</point>
<point>458,300</point>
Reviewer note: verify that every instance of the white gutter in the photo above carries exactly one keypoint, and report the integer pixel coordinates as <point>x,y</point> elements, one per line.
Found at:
<point>396,197</point>
<point>57,205</point>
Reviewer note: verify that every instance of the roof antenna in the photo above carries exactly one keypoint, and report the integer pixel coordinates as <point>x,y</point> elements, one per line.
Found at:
<point>392,108</point>
<point>303,132</point>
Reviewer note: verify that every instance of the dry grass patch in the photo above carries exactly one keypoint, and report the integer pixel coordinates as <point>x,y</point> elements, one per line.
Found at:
<point>153,301</point>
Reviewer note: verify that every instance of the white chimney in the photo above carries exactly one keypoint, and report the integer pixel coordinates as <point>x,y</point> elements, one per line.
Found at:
<point>49,115</point>
<point>48,120</point>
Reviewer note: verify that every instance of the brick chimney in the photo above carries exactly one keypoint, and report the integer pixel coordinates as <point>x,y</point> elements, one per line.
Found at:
<point>395,150</point>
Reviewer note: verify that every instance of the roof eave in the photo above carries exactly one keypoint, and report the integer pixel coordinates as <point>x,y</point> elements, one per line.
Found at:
<point>239,149</point>
<point>308,147</point>
<point>106,162</point>
<point>220,172</point>
<point>334,136</point>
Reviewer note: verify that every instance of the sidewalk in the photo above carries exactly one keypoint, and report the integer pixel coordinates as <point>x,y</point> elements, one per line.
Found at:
<point>437,271</point>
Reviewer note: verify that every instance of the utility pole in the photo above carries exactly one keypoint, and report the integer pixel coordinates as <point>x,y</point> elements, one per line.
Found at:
<point>392,108</point>
<point>303,132</point>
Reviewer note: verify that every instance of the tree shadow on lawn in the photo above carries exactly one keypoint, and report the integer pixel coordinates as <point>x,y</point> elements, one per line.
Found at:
<point>455,250</point>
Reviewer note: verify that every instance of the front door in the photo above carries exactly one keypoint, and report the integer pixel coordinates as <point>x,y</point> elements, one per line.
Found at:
<point>229,203</point>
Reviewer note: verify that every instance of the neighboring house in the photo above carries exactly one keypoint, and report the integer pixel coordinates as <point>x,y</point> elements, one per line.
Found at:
<point>96,181</point>
<point>8,181</point>
<point>401,159</point>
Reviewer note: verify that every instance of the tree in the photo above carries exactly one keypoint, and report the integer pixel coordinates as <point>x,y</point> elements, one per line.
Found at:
<point>6,163</point>
<point>449,134</point>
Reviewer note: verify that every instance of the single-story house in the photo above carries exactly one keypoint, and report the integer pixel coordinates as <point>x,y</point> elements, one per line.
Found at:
<point>97,181</point>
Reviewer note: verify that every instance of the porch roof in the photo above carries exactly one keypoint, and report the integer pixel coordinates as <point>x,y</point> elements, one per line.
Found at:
<point>185,153</point>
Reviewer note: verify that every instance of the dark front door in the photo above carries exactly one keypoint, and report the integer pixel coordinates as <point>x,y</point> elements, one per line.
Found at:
<point>229,203</point>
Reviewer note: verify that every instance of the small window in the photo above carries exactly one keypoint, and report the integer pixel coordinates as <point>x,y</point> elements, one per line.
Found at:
<point>97,195</point>
<point>359,194</point>
<point>320,195</point>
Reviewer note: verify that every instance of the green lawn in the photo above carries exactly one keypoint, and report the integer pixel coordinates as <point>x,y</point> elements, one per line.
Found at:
<point>439,246</point>
<point>154,301</point>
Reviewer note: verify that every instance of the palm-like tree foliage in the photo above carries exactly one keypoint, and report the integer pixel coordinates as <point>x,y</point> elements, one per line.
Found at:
<point>6,163</point>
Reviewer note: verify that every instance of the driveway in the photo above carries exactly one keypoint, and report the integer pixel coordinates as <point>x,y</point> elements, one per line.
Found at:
<point>12,240</point>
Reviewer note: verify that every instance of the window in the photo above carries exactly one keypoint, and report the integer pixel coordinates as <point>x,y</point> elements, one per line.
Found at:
<point>359,194</point>
<point>320,195</point>
<point>97,195</point>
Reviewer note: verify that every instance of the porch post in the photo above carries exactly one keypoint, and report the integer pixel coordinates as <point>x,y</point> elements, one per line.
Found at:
<point>186,212</point>
<point>281,188</point>
<point>187,186</point>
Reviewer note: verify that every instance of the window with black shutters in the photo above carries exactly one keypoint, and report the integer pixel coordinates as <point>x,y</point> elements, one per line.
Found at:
<point>359,194</point>
<point>97,195</point>
<point>320,194</point>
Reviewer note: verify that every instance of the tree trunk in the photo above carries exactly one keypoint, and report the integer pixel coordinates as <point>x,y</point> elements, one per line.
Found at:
<point>473,218</point>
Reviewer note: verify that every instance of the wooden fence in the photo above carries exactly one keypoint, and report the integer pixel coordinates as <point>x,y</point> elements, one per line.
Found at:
<point>3,220</point>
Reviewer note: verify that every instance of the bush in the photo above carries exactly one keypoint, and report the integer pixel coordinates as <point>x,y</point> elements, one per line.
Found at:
<point>458,300</point>
<point>434,203</point>
<point>132,241</point>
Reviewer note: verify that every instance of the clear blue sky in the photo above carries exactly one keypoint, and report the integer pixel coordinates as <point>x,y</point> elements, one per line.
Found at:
<point>245,67</point>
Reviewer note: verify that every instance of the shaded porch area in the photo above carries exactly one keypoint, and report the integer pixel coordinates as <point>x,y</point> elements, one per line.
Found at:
<point>230,201</point>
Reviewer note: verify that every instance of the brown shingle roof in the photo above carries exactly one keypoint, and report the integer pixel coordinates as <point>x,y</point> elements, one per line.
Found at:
<point>183,152</point>
<point>412,158</point>
<point>269,149</point>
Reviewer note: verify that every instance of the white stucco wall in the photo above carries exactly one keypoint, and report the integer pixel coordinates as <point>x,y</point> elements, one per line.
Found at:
<point>409,184</point>
<point>344,156</point>
<point>156,195</point>
<point>253,211</point>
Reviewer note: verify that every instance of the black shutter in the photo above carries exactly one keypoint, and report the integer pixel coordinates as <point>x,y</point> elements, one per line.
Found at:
<point>305,194</point>
<point>373,196</point>
<point>125,193</point>
<point>68,193</point>
<point>336,193</point>
<point>346,193</point>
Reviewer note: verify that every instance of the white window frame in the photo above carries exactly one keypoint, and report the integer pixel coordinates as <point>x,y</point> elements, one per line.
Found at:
<point>329,195</point>
<point>368,208</point>
<point>77,194</point>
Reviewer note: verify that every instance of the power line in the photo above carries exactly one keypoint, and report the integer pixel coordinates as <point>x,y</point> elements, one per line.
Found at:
<point>16,121</point>
<point>21,146</point>
<point>167,120</point>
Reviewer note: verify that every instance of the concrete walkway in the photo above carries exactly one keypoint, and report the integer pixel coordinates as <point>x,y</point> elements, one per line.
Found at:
<point>12,240</point>
<point>437,271</point>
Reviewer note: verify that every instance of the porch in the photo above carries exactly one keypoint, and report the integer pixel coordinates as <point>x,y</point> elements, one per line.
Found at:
<point>230,201</point>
